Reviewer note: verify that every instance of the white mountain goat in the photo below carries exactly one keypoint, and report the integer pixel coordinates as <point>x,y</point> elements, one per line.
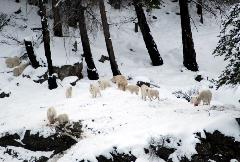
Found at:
<point>133,89</point>
<point>69,92</point>
<point>194,100</point>
<point>12,62</point>
<point>94,90</point>
<point>152,94</point>
<point>144,92</point>
<point>103,84</point>
<point>17,71</point>
<point>62,119</point>
<point>51,115</point>
<point>205,96</point>
<point>121,82</point>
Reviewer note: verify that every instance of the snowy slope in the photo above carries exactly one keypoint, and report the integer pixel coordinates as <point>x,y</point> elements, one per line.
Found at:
<point>120,119</point>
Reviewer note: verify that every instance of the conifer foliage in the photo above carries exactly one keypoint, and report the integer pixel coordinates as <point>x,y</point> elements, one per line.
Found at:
<point>229,47</point>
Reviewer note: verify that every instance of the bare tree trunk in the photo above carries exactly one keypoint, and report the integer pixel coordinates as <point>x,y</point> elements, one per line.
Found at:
<point>108,40</point>
<point>91,69</point>
<point>148,39</point>
<point>71,10</point>
<point>136,27</point>
<point>52,84</point>
<point>189,54</point>
<point>57,24</point>
<point>31,55</point>
<point>200,10</point>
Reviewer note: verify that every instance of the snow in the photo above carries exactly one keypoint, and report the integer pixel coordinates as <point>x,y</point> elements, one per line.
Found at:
<point>120,119</point>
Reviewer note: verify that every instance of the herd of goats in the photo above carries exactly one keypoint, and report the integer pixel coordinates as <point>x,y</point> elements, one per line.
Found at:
<point>95,90</point>
<point>122,84</point>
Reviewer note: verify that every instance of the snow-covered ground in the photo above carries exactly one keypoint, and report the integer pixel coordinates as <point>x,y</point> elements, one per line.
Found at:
<point>120,119</point>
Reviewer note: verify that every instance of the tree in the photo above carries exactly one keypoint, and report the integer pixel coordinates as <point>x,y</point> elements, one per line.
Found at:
<point>189,54</point>
<point>91,69</point>
<point>229,47</point>
<point>57,24</point>
<point>108,40</point>
<point>200,10</point>
<point>31,55</point>
<point>52,83</point>
<point>147,37</point>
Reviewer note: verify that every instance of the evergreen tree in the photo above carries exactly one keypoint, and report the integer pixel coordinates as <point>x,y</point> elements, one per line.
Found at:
<point>229,47</point>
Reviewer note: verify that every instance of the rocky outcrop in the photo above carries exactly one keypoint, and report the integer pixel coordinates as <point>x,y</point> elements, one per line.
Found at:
<point>69,70</point>
<point>61,140</point>
<point>63,72</point>
<point>216,146</point>
<point>4,94</point>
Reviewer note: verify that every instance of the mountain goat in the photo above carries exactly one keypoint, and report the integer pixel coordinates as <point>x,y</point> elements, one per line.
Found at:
<point>103,84</point>
<point>144,92</point>
<point>62,119</point>
<point>69,92</point>
<point>51,115</point>
<point>133,89</point>
<point>121,82</point>
<point>205,96</point>
<point>94,90</point>
<point>12,62</point>
<point>17,71</point>
<point>152,94</point>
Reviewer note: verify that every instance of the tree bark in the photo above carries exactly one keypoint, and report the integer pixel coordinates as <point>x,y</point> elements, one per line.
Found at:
<point>71,10</point>
<point>52,84</point>
<point>57,24</point>
<point>31,55</point>
<point>147,37</point>
<point>136,27</point>
<point>189,54</point>
<point>200,10</point>
<point>91,69</point>
<point>108,40</point>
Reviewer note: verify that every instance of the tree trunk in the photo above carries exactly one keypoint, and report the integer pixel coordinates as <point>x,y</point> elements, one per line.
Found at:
<point>189,54</point>
<point>52,84</point>
<point>31,55</point>
<point>71,9</point>
<point>136,27</point>
<point>57,24</point>
<point>108,40</point>
<point>148,39</point>
<point>200,10</point>
<point>91,69</point>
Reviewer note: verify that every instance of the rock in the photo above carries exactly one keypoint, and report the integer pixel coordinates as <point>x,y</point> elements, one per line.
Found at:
<point>140,83</point>
<point>162,151</point>
<point>69,70</point>
<point>63,72</point>
<point>17,155</point>
<point>10,140</point>
<point>58,142</point>
<point>154,17</point>
<point>3,94</point>
<point>199,78</point>
<point>117,157</point>
<point>216,146</point>
<point>103,59</point>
